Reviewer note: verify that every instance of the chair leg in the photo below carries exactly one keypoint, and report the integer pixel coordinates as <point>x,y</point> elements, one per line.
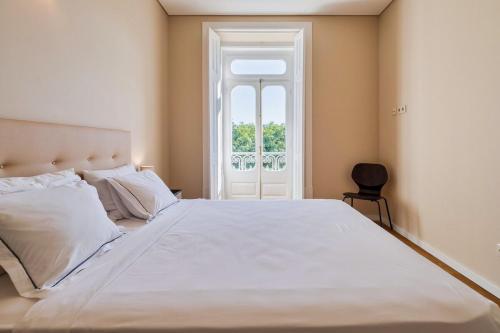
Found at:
<point>352,201</point>
<point>388,213</point>
<point>379,213</point>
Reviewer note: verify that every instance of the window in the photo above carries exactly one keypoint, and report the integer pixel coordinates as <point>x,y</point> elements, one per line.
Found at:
<point>258,67</point>
<point>243,118</point>
<point>274,128</point>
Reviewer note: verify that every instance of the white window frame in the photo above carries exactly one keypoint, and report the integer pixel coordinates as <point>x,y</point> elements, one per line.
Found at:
<point>302,179</point>
<point>251,55</point>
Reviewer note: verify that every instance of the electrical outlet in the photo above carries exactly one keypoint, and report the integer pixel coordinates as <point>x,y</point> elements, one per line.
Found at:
<point>402,109</point>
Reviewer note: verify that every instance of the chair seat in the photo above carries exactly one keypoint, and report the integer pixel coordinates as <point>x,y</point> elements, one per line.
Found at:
<point>362,196</point>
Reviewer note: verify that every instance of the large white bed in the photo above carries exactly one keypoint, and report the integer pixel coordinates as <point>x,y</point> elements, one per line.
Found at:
<point>307,266</point>
<point>224,266</point>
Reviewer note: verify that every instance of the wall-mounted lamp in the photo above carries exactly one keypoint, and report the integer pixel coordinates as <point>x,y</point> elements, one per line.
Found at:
<point>146,167</point>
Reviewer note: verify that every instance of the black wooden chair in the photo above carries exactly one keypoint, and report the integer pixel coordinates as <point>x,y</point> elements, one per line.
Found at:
<point>370,179</point>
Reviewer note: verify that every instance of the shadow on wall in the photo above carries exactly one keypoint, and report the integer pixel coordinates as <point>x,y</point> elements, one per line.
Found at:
<point>395,135</point>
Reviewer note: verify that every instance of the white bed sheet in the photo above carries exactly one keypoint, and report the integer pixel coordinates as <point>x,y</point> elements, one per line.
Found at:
<point>12,306</point>
<point>307,266</point>
<point>130,225</point>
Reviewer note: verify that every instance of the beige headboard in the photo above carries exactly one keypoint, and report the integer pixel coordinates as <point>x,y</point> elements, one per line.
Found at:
<point>29,148</point>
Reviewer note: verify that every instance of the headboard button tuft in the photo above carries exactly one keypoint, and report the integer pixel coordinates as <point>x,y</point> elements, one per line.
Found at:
<point>1,166</point>
<point>53,162</point>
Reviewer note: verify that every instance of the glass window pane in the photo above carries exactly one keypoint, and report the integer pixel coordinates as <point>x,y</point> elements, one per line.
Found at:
<point>274,128</point>
<point>258,67</point>
<point>243,112</point>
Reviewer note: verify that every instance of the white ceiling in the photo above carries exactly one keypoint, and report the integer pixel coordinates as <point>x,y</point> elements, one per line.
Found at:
<point>274,7</point>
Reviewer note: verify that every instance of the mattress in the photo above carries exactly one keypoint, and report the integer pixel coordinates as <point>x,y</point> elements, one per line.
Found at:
<point>281,266</point>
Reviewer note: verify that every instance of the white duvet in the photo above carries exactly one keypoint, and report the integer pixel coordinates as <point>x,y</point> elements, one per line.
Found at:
<point>280,266</point>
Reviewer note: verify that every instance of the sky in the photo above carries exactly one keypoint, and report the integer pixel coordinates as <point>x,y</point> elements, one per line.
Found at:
<point>243,104</point>
<point>243,98</point>
<point>258,66</point>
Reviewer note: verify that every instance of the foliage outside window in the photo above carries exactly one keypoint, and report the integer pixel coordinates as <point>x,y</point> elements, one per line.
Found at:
<point>244,138</point>
<point>274,141</point>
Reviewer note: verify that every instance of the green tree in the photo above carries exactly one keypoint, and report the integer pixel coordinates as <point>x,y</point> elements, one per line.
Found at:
<point>243,138</point>
<point>274,137</point>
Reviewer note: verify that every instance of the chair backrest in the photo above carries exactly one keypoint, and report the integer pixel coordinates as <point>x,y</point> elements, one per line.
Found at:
<point>369,177</point>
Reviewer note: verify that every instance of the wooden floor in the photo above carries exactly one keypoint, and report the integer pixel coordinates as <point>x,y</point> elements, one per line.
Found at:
<point>445,267</point>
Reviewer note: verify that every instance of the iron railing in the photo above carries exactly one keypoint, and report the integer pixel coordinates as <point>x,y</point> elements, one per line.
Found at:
<point>271,161</point>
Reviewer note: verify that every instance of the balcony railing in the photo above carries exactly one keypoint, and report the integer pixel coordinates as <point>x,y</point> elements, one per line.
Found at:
<point>275,161</point>
<point>243,161</point>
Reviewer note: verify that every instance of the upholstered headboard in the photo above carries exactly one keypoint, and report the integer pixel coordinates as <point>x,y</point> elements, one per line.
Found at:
<point>28,148</point>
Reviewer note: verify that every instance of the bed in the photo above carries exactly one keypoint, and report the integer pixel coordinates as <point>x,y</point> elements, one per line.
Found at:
<point>226,266</point>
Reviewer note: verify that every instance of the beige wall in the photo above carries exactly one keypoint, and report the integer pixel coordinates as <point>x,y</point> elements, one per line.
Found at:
<point>442,58</point>
<point>104,63</point>
<point>88,62</point>
<point>345,99</point>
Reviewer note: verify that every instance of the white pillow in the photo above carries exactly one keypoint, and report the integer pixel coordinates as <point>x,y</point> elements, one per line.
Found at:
<point>143,193</point>
<point>45,235</point>
<point>53,179</point>
<point>97,178</point>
